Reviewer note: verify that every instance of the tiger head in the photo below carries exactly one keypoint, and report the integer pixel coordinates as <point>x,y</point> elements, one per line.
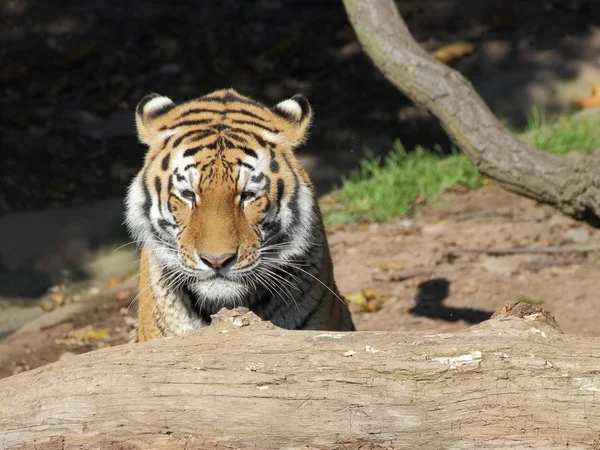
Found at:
<point>221,193</point>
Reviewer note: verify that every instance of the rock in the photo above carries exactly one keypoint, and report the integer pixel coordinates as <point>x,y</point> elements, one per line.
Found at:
<point>499,266</point>
<point>576,235</point>
<point>47,304</point>
<point>438,228</point>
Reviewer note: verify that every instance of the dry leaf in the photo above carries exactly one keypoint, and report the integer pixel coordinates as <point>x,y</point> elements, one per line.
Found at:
<point>357,298</point>
<point>91,334</point>
<point>330,229</point>
<point>112,283</point>
<point>375,305</point>
<point>592,100</point>
<point>455,50</point>
<point>393,264</point>
<point>368,300</point>
<point>47,304</point>
<point>124,296</point>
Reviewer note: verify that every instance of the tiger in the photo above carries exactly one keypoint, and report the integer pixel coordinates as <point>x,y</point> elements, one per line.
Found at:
<point>225,216</point>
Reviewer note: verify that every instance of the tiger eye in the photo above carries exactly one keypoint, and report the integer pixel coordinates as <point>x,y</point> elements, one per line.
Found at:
<point>246,195</point>
<point>186,193</point>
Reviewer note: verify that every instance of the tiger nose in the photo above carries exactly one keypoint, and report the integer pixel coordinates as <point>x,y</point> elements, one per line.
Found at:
<point>219,261</point>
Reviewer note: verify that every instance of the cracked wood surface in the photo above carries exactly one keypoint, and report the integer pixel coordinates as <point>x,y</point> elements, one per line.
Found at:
<point>570,184</point>
<point>511,382</point>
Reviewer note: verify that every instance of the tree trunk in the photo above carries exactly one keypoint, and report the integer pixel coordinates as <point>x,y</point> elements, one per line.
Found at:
<point>571,184</point>
<point>514,381</point>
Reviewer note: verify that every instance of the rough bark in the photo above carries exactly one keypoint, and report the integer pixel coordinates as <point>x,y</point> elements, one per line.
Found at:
<point>571,184</point>
<point>510,382</point>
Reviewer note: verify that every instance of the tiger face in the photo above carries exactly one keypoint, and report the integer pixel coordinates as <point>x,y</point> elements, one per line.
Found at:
<point>221,193</point>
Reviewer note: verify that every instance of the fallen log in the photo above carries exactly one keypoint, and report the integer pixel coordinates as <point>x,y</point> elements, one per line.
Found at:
<point>514,381</point>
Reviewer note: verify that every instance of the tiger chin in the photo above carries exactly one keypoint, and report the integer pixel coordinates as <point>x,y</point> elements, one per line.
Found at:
<point>226,216</point>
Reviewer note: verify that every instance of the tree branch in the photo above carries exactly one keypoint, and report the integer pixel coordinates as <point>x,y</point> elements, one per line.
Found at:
<point>570,184</point>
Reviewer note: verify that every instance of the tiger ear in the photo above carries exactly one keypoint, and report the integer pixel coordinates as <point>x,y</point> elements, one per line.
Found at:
<point>296,115</point>
<point>150,108</point>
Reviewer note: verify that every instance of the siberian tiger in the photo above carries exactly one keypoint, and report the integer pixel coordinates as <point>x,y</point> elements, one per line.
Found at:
<point>226,216</point>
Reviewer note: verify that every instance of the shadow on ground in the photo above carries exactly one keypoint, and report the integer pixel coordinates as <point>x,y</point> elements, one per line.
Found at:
<point>429,303</point>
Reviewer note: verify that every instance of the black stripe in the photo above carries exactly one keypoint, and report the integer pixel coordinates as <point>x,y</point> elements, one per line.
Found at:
<point>245,112</point>
<point>205,166</point>
<point>293,203</point>
<point>186,134</point>
<point>158,187</point>
<point>192,151</point>
<point>259,139</point>
<point>148,198</point>
<point>228,144</point>
<point>274,163</point>
<point>248,151</point>
<point>166,224</point>
<point>140,107</point>
<point>159,112</point>
<point>189,112</point>
<point>159,325</point>
<point>213,145</point>
<point>252,123</point>
<point>186,123</point>
<point>242,163</point>
<point>155,232</point>
<point>280,191</point>
<point>238,137</point>
<point>201,136</point>
<point>164,165</point>
<point>257,178</point>
<point>170,206</point>
<point>304,105</point>
<point>167,140</point>
<point>189,166</point>
<point>192,122</point>
<point>267,206</point>
<point>231,97</point>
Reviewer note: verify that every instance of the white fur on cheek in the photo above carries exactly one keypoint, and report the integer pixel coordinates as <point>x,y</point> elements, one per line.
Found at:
<point>136,221</point>
<point>302,232</point>
<point>139,224</point>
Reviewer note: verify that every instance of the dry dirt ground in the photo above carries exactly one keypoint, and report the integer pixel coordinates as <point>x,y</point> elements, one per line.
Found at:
<point>414,274</point>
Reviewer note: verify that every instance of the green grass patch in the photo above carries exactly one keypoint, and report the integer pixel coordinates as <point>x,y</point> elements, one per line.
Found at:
<point>383,188</point>
<point>566,135</point>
